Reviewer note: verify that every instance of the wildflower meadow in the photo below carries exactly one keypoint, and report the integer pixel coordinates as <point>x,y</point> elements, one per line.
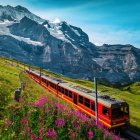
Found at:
<point>40,115</point>
<point>47,118</point>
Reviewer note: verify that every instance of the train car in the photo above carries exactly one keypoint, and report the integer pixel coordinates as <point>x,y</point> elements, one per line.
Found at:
<point>112,113</point>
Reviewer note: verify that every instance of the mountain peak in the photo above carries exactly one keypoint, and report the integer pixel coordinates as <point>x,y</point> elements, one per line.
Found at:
<point>56,21</point>
<point>17,13</point>
<point>27,20</point>
<point>9,6</point>
<point>21,8</point>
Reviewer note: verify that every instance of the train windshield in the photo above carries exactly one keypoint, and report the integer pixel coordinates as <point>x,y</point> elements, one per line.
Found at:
<point>120,111</point>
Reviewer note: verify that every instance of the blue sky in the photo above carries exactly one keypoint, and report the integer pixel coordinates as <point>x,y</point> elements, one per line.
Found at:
<point>105,21</point>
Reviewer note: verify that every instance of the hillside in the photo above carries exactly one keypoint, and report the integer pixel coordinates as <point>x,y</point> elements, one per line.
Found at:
<point>130,94</point>
<point>28,120</point>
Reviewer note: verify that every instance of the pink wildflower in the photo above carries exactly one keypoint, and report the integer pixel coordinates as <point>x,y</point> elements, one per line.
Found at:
<point>83,117</point>
<point>24,121</point>
<point>27,128</point>
<point>90,134</point>
<point>77,125</point>
<point>59,105</point>
<point>37,138</point>
<point>42,101</point>
<point>9,123</point>
<point>73,134</point>
<point>51,133</point>
<point>41,131</point>
<point>59,122</point>
<point>78,113</point>
<point>32,135</point>
<point>106,133</point>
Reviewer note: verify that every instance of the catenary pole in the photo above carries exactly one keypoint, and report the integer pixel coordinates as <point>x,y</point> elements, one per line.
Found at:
<point>96,100</point>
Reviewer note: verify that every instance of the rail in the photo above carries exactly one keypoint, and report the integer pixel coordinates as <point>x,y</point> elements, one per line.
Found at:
<point>131,135</point>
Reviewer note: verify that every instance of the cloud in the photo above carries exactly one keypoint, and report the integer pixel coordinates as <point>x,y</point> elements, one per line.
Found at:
<point>115,37</point>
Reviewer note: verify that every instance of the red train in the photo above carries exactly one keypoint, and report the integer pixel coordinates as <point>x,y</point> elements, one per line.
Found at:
<point>112,113</point>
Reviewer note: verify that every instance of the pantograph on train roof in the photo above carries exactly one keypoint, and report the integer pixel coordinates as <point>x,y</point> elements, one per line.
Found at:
<point>82,89</point>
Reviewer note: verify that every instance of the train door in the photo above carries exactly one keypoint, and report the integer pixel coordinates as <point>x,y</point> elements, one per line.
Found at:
<point>75,98</point>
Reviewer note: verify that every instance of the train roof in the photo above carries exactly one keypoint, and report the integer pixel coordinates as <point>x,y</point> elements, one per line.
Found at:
<point>102,98</point>
<point>52,79</point>
<point>48,77</point>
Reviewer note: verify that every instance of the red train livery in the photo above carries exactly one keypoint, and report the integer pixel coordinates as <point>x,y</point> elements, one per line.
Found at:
<point>112,113</point>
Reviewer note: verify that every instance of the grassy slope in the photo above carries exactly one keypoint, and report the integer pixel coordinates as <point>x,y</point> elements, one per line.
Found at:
<point>130,94</point>
<point>8,83</point>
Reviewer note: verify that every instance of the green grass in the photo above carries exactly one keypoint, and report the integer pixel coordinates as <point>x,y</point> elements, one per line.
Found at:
<point>130,94</point>
<point>8,83</point>
<point>11,110</point>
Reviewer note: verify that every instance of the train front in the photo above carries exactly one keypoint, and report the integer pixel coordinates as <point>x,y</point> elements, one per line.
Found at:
<point>120,115</point>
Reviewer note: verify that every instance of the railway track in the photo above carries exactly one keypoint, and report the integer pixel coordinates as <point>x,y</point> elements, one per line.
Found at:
<point>131,135</point>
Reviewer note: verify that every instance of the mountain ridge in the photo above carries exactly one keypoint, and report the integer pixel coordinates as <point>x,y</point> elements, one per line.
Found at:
<point>65,49</point>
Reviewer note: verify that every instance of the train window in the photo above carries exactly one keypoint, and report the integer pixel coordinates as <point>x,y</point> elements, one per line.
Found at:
<point>87,102</point>
<point>43,80</point>
<point>70,94</point>
<point>117,112</point>
<point>66,92</point>
<point>55,86</point>
<point>93,106</point>
<point>63,90</point>
<point>47,83</point>
<point>105,111</point>
<point>59,89</point>
<point>81,99</point>
<point>120,111</point>
<point>50,84</point>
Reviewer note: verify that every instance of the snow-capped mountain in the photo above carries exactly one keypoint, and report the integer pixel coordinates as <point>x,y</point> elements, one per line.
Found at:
<point>63,48</point>
<point>17,13</point>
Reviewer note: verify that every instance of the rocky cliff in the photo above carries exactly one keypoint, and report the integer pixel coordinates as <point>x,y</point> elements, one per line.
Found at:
<point>65,49</point>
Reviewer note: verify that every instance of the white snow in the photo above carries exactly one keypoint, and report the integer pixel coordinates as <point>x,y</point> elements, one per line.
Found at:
<point>57,33</point>
<point>5,31</point>
<point>47,54</point>
<point>27,40</point>
<point>69,37</point>
<point>55,21</point>
<point>76,32</point>
<point>64,49</point>
<point>18,15</point>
